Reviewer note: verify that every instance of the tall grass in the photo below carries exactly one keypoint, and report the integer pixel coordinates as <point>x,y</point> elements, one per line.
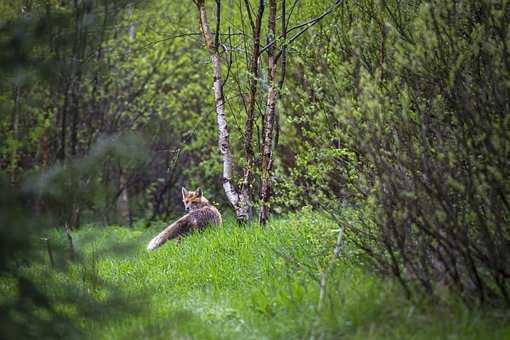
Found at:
<point>245,283</point>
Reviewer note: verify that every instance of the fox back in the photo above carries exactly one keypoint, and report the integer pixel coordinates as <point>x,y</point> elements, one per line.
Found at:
<point>201,214</point>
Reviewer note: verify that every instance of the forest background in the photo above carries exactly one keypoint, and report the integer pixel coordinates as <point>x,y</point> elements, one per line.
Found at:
<point>390,117</point>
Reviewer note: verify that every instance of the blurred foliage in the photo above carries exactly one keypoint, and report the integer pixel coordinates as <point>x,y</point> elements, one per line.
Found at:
<point>38,192</point>
<point>393,111</point>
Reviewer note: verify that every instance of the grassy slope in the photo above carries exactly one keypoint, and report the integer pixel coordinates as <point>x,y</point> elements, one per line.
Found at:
<point>247,283</point>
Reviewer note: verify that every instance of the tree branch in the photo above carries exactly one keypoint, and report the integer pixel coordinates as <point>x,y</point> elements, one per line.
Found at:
<point>306,26</point>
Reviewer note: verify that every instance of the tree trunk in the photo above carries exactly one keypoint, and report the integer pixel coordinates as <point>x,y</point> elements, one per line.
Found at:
<point>132,24</point>
<point>272,93</point>
<point>61,155</point>
<point>75,110</point>
<point>13,161</point>
<point>240,201</point>
<point>250,111</point>
<point>123,199</point>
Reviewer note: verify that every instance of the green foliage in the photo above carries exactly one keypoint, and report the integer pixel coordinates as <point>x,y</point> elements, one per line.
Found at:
<point>434,133</point>
<point>400,109</point>
<point>38,307</point>
<point>249,282</point>
<point>393,118</point>
<point>416,131</point>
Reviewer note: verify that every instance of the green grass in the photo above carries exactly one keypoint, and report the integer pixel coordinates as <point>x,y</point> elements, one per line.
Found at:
<point>243,283</point>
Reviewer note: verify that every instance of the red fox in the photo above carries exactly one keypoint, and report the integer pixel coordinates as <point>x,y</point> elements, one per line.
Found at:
<point>200,214</point>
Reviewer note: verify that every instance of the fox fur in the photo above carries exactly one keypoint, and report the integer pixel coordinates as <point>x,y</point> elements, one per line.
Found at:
<point>201,214</point>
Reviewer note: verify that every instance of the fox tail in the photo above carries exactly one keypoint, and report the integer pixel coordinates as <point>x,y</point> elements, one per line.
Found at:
<point>168,233</point>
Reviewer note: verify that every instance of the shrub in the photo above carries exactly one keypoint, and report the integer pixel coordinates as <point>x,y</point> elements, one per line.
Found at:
<point>437,134</point>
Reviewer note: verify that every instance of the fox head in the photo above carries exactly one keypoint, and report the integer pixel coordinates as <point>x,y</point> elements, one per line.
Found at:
<point>193,199</point>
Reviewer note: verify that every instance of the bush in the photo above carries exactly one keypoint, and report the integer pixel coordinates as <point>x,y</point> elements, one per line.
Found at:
<point>437,134</point>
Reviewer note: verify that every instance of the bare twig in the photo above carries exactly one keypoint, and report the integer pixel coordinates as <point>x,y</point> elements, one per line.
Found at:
<point>70,242</point>
<point>250,16</point>
<point>218,23</point>
<point>305,25</point>
<point>324,277</point>
<point>283,69</point>
<point>48,249</point>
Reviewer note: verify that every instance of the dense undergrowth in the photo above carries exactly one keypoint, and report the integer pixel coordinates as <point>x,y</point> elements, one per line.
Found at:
<point>241,283</point>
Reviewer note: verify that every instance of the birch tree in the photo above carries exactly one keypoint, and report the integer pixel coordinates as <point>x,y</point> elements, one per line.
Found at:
<point>241,197</point>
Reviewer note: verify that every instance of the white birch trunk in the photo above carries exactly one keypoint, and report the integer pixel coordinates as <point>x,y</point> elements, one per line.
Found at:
<point>239,201</point>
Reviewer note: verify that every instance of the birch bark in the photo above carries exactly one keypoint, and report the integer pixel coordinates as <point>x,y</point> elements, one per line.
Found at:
<point>239,200</point>
<point>272,93</point>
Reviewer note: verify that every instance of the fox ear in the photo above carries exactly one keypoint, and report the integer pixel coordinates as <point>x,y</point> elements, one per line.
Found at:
<point>184,192</point>
<point>199,192</point>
